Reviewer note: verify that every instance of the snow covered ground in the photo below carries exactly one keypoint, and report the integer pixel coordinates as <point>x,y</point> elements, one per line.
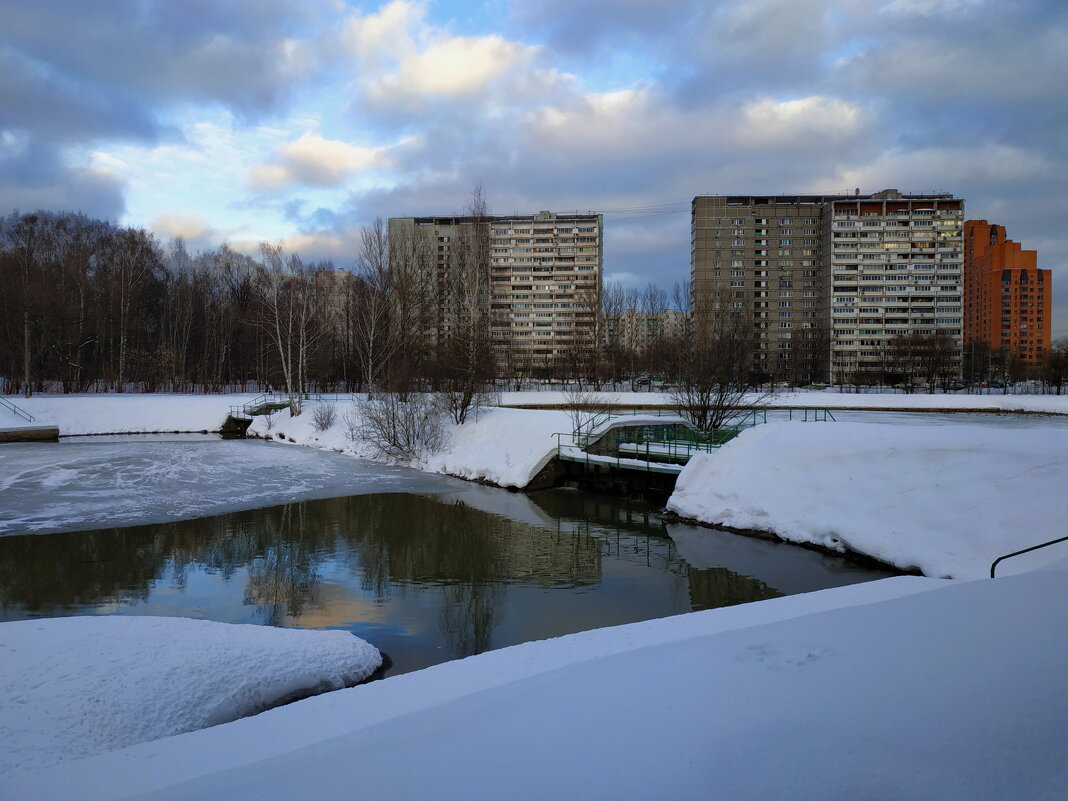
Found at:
<point>92,483</point>
<point>903,688</point>
<point>947,500</point>
<point>502,446</point>
<point>1053,404</point>
<point>79,686</point>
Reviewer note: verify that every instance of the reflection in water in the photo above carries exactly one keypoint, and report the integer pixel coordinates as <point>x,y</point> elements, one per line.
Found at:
<point>425,578</point>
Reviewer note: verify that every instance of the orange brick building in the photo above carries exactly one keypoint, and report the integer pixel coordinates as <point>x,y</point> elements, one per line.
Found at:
<point>1007,298</point>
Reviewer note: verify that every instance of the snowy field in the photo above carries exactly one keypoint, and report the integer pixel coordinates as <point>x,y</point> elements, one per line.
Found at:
<point>947,500</point>
<point>81,686</point>
<point>903,688</point>
<point>86,483</point>
<point>1054,404</point>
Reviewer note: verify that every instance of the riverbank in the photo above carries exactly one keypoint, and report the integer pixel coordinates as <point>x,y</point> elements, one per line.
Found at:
<point>831,694</point>
<point>945,500</point>
<point>876,490</point>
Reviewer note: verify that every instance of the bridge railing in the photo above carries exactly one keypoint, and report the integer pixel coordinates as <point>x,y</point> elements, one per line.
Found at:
<point>5,403</point>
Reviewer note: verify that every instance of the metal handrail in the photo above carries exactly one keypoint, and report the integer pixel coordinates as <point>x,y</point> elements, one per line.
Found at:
<point>994,564</point>
<point>29,418</point>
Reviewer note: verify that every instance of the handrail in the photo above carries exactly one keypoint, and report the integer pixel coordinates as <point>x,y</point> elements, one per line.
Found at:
<point>29,418</point>
<point>994,564</point>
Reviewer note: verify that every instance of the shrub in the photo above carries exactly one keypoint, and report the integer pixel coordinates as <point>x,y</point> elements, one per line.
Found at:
<point>324,416</point>
<point>411,428</point>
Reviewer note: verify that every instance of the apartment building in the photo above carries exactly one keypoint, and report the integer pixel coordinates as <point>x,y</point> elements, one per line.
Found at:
<point>895,265</point>
<point>637,331</point>
<point>1008,299</point>
<point>829,280</point>
<point>759,257</point>
<point>542,275</point>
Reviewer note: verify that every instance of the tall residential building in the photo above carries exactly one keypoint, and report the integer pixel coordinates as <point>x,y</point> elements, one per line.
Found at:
<point>1007,299</point>
<point>759,256</point>
<point>829,280</point>
<point>544,283</point>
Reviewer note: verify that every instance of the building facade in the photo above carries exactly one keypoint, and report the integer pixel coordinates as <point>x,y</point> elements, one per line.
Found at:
<point>830,280</point>
<point>1008,299</point>
<point>639,331</point>
<point>542,279</point>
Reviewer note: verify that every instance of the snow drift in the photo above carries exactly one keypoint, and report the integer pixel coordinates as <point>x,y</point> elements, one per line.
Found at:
<point>80,686</point>
<point>946,500</point>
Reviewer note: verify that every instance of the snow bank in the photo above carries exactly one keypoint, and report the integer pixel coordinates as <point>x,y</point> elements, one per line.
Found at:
<point>80,686</point>
<point>894,688</point>
<point>504,446</point>
<point>946,500</point>
<point>131,414</point>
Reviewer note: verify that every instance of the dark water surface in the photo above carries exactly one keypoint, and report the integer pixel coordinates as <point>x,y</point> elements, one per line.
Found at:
<point>424,577</point>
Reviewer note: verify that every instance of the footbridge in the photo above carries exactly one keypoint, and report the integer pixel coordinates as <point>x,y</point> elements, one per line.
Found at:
<point>659,440</point>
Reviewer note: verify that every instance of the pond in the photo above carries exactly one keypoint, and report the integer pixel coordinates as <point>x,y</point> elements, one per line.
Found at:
<point>426,576</point>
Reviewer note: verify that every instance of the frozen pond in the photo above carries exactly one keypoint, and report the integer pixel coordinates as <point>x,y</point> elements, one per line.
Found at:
<point>94,482</point>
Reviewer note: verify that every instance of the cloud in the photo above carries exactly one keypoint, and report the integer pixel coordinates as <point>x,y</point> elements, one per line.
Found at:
<point>33,177</point>
<point>193,228</point>
<point>451,67</point>
<point>802,124</point>
<point>312,160</point>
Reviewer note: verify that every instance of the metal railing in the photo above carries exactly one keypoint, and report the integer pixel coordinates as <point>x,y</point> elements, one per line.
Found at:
<point>625,462</point>
<point>29,418</point>
<point>994,564</point>
<point>809,414</point>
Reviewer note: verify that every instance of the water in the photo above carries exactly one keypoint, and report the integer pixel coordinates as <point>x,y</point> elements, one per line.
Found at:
<point>425,576</point>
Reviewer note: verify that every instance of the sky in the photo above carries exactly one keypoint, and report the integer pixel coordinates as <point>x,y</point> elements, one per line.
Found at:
<point>300,121</point>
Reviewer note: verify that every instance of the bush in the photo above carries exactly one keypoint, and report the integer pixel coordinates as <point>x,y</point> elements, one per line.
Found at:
<point>407,429</point>
<point>324,416</point>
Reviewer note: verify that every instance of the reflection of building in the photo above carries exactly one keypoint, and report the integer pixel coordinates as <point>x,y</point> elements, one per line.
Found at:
<point>544,277</point>
<point>638,331</point>
<point>841,273</point>
<point>1007,298</point>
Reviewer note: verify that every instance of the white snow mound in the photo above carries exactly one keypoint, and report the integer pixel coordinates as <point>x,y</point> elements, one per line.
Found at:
<point>80,686</point>
<point>946,500</point>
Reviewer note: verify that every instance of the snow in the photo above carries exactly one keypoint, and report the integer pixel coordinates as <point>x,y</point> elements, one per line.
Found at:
<point>506,447</point>
<point>892,689</point>
<point>141,413</point>
<point>908,687</point>
<point>946,500</point>
<point>80,686</point>
<point>1052,404</point>
<point>84,483</point>
<point>130,413</point>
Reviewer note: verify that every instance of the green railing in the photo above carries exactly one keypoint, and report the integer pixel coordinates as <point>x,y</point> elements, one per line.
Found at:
<point>624,462</point>
<point>29,418</point>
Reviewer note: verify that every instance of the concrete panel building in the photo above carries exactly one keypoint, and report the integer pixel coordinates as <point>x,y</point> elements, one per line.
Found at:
<point>543,276</point>
<point>829,280</point>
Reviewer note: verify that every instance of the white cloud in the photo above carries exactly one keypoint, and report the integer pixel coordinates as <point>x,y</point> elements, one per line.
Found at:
<point>453,66</point>
<point>191,227</point>
<point>312,160</point>
<point>807,121</point>
<point>927,8</point>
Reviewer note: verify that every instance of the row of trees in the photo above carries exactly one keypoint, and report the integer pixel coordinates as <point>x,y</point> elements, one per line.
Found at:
<point>89,305</point>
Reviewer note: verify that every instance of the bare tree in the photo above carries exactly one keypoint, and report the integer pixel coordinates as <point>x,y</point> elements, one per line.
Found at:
<point>288,298</point>
<point>716,372</point>
<point>375,332</point>
<point>465,353</point>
